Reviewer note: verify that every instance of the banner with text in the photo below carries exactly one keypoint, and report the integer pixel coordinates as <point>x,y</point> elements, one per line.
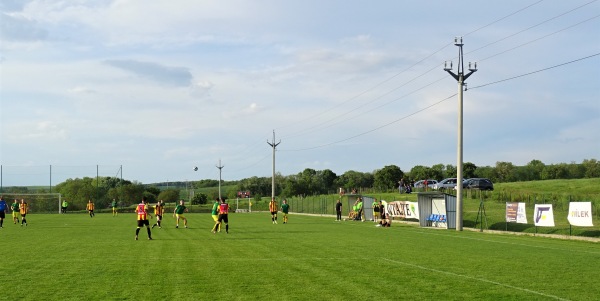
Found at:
<point>543,215</point>
<point>580,214</point>
<point>515,213</point>
<point>403,209</point>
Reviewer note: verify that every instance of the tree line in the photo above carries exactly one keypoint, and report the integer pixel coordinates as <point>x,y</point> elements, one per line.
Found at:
<point>102,190</point>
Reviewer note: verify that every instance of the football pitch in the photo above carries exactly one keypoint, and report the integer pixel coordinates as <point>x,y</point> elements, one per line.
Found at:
<point>75,257</point>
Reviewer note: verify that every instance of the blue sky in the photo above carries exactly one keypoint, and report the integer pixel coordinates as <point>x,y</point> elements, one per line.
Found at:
<point>159,87</point>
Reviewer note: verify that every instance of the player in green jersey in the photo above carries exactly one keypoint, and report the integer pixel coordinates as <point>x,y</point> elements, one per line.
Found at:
<point>215,214</point>
<point>178,213</point>
<point>285,208</point>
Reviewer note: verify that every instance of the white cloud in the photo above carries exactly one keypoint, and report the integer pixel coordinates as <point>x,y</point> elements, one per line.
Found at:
<point>189,82</point>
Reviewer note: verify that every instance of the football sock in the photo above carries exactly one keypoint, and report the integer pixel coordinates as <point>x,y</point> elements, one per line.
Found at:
<point>227,228</point>
<point>149,233</point>
<point>137,231</point>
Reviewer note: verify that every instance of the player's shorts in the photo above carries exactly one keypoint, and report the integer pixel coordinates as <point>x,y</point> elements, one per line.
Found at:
<point>179,216</point>
<point>159,217</point>
<point>223,218</point>
<point>376,213</point>
<point>215,217</point>
<point>285,213</point>
<point>2,214</point>
<point>142,223</point>
<point>273,212</point>
<point>23,215</point>
<point>15,213</point>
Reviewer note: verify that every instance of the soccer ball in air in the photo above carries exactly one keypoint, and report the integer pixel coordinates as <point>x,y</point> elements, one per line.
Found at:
<point>196,168</point>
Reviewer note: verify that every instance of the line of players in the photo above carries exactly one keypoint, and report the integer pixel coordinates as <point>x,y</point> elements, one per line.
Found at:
<point>17,208</point>
<point>219,212</point>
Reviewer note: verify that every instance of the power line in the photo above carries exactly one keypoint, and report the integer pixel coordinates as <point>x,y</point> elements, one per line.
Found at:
<point>537,71</point>
<point>533,26</point>
<point>318,126</point>
<point>437,103</point>
<point>540,38</point>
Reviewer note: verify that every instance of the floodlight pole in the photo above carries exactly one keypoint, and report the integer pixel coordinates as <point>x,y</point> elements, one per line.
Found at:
<point>460,78</point>
<point>273,145</point>
<point>220,167</point>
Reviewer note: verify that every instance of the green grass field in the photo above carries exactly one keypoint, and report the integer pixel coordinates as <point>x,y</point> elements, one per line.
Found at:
<point>75,257</point>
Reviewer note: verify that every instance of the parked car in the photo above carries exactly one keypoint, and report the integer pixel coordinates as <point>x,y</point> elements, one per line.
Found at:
<point>421,183</point>
<point>478,183</point>
<point>449,183</point>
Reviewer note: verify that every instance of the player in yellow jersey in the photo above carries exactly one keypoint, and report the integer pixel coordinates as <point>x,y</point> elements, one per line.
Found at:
<point>90,208</point>
<point>23,209</point>
<point>273,210</point>
<point>142,218</point>
<point>159,210</point>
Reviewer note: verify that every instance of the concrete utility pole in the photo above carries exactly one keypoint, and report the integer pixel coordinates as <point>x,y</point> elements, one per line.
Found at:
<point>273,145</point>
<point>460,77</point>
<point>220,167</point>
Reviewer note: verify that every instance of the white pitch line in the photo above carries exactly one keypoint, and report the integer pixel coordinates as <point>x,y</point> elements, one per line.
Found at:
<point>474,278</point>
<point>511,243</point>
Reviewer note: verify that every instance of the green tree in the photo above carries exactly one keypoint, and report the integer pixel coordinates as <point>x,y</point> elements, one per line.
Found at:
<point>154,190</point>
<point>290,186</point>
<point>469,170</point>
<point>169,195</point>
<point>387,178</point>
<point>354,179</point>
<point>592,168</point>
<point>199,198</point>
<point>326,179</point>
<point>534,170</point>
<point>77,192</point>
<point>437,172</point>
<point>504,171</point>
<point>419,172</point>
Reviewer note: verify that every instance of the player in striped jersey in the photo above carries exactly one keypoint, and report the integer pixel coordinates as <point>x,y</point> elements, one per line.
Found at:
<point>142,218</point>
<point>23,209</point>
<point>90,208</point>
<point>273,210</point>
<point>159,209</point>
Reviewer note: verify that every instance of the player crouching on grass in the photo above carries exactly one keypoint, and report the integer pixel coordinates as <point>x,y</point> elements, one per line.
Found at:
<point>142,218</point>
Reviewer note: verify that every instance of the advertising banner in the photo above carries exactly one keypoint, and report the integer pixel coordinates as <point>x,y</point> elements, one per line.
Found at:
<point>543,215</point>
<point>580,214</point>
<point>515,213</point>
<point>403,209</point>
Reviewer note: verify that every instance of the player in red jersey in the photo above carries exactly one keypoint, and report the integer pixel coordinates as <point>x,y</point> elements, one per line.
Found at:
<point>223,217</point>
<point>142,218</point>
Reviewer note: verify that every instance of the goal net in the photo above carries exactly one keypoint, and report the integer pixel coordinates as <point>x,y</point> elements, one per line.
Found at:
<point>38,202</point>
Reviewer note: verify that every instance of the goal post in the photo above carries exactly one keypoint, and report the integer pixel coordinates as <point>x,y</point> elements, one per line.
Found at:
<point>38,202</point>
